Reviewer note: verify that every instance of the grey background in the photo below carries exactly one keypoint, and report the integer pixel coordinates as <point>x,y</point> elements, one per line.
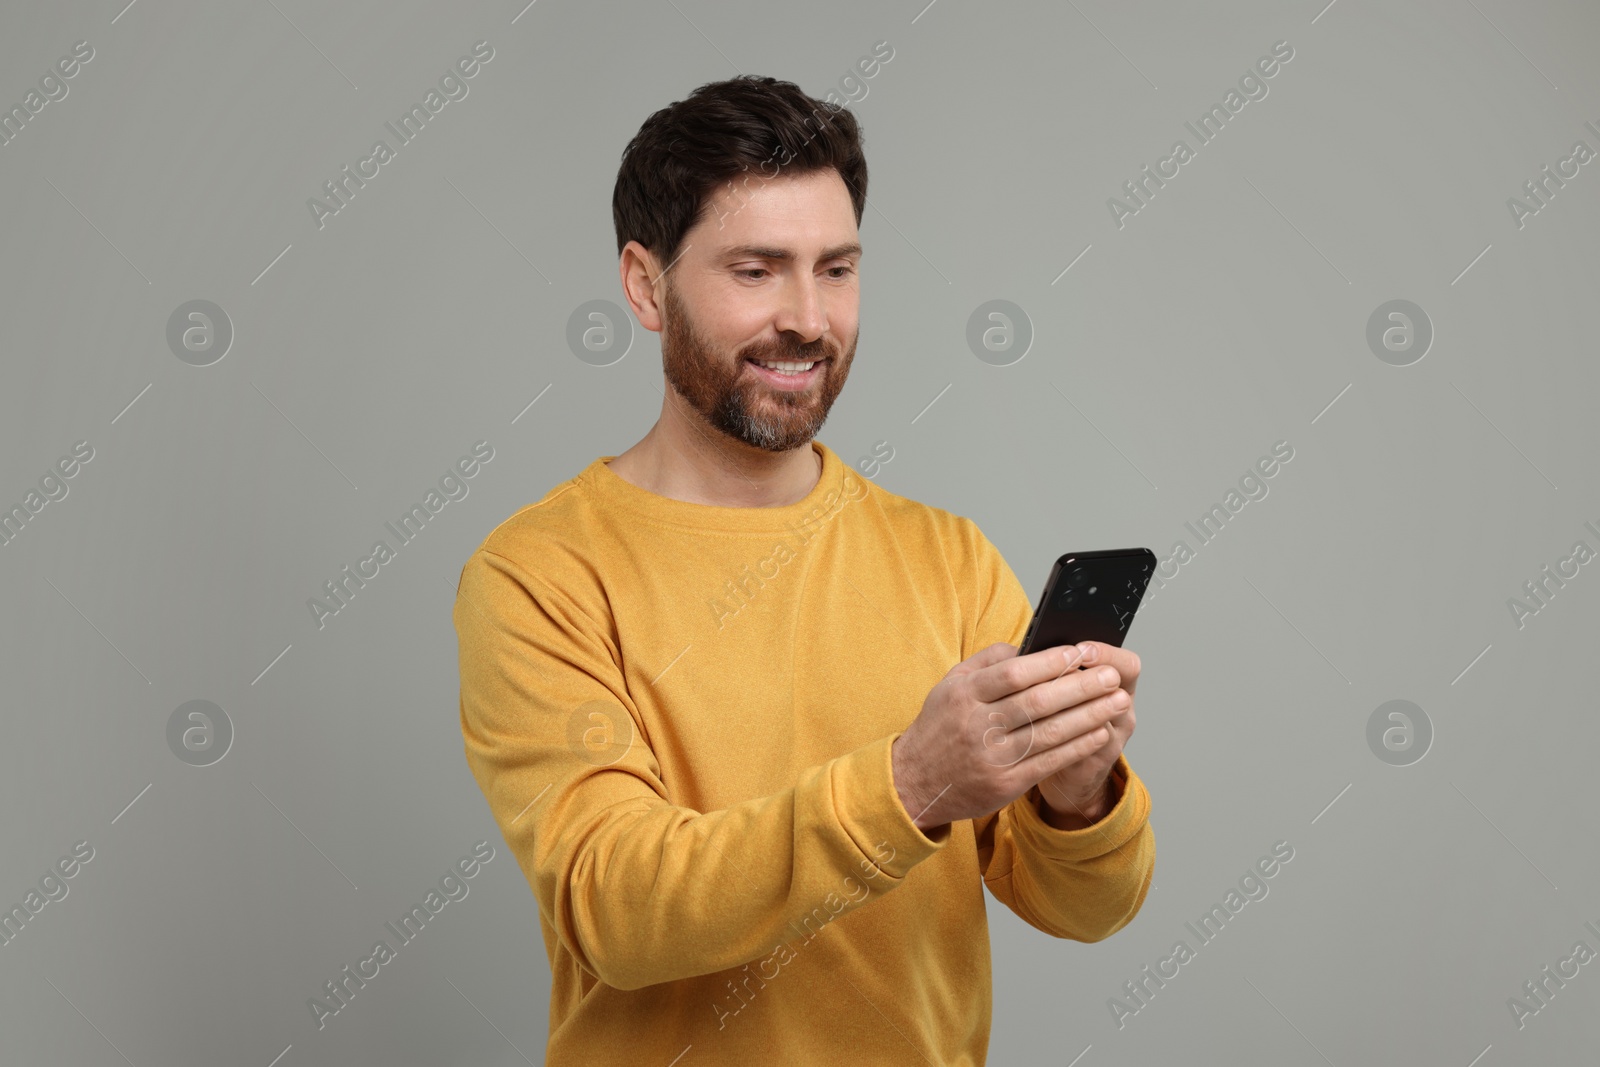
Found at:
<point>1230,313</point>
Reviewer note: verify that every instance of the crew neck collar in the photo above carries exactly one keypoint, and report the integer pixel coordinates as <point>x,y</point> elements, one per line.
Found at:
<point>612,489</point>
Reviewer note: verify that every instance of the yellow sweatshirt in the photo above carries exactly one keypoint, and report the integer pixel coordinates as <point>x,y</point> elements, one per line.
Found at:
<point>680,716</point>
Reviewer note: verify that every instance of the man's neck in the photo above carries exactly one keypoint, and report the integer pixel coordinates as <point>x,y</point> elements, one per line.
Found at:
<point>701,465</point>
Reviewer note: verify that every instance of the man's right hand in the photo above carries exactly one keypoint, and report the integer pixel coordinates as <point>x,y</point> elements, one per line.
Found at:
<point>995,725</point>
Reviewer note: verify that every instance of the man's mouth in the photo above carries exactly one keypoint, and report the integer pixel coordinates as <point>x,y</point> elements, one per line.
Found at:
<point>788,374</point>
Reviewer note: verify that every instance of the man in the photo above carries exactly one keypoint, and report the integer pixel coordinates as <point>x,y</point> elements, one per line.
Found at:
<point>754,727</point>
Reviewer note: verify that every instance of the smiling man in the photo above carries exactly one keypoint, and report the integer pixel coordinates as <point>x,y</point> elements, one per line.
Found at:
<point>755,728</point>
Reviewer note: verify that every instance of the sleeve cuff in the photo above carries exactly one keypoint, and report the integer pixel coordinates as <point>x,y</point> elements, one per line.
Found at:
<point>1119,825</point>
<point>872,814</point>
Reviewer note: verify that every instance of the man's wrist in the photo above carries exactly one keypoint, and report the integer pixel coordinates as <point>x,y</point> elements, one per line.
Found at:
<point>906,790</point>
<point>1079,815</point>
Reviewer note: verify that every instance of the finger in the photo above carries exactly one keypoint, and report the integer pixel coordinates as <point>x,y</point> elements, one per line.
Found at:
<point>1125,660</point>
<point>1082,720</point>
<point>1101,745</point>
<point>995,653</point>
<point>1001,679</point>
<point>1007,748</point>
<point>1124,721</point>
<point>1052,696</point>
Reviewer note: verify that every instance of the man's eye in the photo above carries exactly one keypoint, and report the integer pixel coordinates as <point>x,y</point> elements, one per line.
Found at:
<point>751,272</point>
<point>846,270</point>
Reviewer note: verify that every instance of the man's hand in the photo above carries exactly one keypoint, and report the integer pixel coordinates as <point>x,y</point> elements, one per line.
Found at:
<point>999,723</point>
<point>1079,794</point>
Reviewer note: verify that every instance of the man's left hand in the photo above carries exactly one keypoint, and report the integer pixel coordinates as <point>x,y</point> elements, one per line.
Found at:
<point>1079,794</point>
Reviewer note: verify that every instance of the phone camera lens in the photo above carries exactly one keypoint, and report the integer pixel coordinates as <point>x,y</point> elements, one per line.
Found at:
<point>1076,577</point>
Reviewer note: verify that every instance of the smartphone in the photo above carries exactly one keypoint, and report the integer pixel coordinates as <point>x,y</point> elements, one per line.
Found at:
<point>1091,596</point>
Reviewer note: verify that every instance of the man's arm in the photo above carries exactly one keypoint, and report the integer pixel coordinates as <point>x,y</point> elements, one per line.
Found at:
<point>1071,874</point>
<point>640,890</point>
<point>1083,884</point>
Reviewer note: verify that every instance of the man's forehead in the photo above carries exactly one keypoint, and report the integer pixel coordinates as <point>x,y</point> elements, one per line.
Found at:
<point>770,216</point>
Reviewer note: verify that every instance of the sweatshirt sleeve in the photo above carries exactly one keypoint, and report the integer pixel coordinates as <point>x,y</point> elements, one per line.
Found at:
<point>640,890</point>
<point>1083,884</point>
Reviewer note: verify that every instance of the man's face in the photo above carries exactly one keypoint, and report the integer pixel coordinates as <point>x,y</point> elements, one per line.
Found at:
<point>770,274</point>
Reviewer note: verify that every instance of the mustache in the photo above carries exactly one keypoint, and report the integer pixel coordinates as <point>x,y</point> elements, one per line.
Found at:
<point>790,350</point>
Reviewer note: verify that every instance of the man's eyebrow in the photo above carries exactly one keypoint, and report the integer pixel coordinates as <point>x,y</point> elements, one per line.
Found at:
<point>767,252</point>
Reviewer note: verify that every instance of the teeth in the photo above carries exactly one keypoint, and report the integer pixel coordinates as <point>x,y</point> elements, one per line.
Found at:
<point>788,367</point>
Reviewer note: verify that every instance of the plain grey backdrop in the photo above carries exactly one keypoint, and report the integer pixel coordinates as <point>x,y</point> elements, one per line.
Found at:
<point>1147,357</point>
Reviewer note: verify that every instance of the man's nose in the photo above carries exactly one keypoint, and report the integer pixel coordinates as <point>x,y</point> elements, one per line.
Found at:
<point>802,311</point>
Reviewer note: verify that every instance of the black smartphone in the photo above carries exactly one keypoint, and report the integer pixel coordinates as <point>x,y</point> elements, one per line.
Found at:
<point>1091,596</point>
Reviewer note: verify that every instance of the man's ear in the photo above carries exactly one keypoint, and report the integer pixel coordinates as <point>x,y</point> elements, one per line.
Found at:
<point>641,284</point>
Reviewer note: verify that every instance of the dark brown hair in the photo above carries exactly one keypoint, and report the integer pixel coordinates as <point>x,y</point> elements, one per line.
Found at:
<point>753,126</point>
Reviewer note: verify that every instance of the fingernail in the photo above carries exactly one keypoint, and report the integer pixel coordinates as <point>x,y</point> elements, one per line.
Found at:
<point>1108,676</point>
<point>1086,653</point>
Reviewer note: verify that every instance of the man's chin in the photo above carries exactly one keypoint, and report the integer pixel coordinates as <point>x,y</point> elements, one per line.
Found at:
<point>785,437</point>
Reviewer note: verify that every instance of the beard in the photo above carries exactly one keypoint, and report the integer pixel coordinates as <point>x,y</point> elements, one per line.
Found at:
<point>735,401</point>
